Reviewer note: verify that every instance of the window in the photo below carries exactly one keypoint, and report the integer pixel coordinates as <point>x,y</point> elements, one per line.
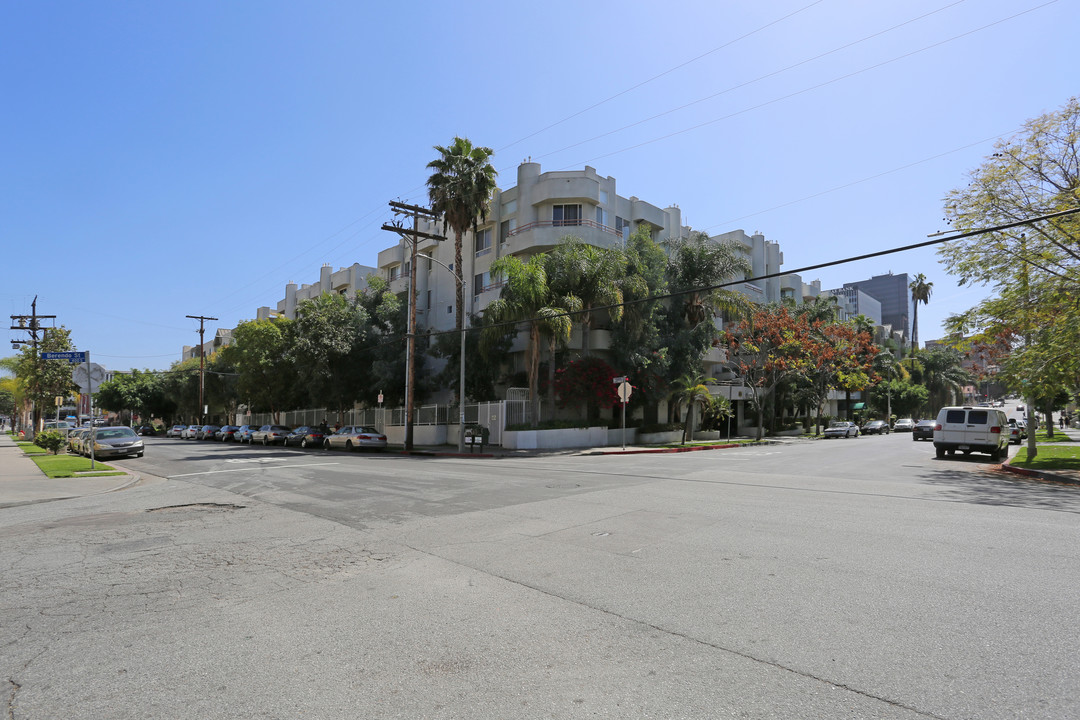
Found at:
<point>506,229</point>
<point>509,208</point>
<point>483,242</point>
<point>450,309</point>
<point>565,215</point>
<point>620,223</point>
<point>395,272</point>
<point>603,197</point>
<point>428,299</point>
<point>481,281</point>
<point>601,216</point>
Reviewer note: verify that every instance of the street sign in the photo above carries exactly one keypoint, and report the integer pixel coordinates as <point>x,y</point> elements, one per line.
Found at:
<point>69,355</point>
<point>97,374</point>
<point>619,380</point>
<point>625,391</point>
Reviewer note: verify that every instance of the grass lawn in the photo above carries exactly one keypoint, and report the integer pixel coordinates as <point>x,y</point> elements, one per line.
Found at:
<point>66,466</point>
<point>30,448</point>
<point>1050,458</point>
<point>1059,437</point>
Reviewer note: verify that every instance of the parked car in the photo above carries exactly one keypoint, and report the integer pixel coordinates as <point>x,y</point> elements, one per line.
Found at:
<point>352,437</point>
<point>190,432</point>
<point>147,430</point>
<point>226,433</point>
<point>876,427</point>
<point>904,425</point>
<point>924,430</point>
<point>243,434</point>
<point>63,426</point>
<point>75,440</point>
<point>175,430</point>
<point>270,434</point>
<point>1016,433</point>
<point>111,442</point>
<point>842,428</point>
<point>206,432</point>
<point>305,436</point>
<point>971,429</point>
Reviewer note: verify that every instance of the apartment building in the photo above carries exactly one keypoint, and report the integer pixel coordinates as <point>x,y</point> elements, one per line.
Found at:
<point>344,281</point>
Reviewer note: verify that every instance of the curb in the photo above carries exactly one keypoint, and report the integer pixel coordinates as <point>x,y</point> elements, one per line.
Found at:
<point>1038,474</point>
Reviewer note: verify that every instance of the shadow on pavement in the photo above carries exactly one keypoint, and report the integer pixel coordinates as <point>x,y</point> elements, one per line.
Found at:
<point>992,486</point>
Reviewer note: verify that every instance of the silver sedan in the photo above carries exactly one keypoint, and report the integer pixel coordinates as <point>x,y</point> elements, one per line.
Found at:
<point>356,437</point>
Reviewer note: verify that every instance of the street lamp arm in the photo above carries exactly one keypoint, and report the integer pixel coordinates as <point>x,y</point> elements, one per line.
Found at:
<point>457,277</point>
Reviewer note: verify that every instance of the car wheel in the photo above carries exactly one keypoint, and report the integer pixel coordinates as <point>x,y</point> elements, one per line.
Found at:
<point>304,443</point>
<point>326,445</point>
<point>939,452</point>
<point>138,454</point>
<point>348,446</point>
<point>265,443</point>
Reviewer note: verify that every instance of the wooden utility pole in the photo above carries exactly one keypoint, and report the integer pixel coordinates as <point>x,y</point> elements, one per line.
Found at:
<point>30,324</point>
<point>202,360</point>
<point>412,237</point>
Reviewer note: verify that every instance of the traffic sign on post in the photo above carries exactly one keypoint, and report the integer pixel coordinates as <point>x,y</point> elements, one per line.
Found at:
<point>69,355</point>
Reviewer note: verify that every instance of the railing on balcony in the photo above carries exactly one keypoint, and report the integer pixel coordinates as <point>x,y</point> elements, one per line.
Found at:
<point>564,223</point>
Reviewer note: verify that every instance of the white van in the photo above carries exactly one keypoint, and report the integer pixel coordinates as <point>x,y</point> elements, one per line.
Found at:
<point>971,429</point>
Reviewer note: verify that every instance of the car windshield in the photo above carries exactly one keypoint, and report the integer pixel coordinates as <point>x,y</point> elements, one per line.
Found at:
<point>838,424</point>
<point>367,430</point>
<point>113,433</point>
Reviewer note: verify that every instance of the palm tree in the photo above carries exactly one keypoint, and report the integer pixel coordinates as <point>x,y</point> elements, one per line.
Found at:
<point>690,389</point>
<point>459,189</point>
<point>591,274</point>
<point>920,293</point>
<point>696,265</point>
<point>526,298</point>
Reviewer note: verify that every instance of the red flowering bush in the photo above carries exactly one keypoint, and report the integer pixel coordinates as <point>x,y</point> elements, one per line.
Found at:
<point>587,380</point>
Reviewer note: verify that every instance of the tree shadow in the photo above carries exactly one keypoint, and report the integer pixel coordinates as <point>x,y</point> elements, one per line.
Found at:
<point>990,485</point>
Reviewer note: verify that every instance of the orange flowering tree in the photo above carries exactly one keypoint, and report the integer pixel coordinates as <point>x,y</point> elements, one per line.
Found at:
<point>770,347</point>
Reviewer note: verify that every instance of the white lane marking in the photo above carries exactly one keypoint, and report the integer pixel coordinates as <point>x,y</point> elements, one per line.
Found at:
<point>274,467</point>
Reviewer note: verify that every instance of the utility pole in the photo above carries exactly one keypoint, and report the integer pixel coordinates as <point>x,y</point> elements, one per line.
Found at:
<point>202,360</point>
<point>30,324</point>
<point>413,237</point>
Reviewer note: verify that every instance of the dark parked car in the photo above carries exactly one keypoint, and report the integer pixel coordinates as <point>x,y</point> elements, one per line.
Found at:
<point>226,433</point>
<point>305,436</point>
<point>270,434</point>
<point>876,427</point>
<point>206,432</point>
<point>924,430</point>
<point>148,430</point>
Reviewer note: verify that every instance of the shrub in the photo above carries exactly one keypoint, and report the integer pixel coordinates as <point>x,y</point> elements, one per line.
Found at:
<point>51,440</point>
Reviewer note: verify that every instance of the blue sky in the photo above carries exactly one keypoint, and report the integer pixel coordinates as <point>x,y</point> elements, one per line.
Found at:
<point>171,159</point>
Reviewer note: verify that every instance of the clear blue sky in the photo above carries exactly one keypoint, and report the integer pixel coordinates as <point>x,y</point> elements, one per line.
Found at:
<point>171,159</point>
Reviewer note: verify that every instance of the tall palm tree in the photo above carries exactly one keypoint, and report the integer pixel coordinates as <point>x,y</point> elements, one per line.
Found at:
<point>459,189</point>
<point>526,298</point>
<point>920,293</point>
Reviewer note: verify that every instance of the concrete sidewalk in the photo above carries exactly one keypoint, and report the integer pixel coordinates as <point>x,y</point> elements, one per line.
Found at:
<point>21,482</point>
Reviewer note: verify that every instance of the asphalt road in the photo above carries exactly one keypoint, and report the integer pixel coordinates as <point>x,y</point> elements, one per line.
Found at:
<point>856,578</point>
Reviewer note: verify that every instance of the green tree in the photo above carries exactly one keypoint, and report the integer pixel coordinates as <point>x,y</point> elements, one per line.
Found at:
<point>690,390</point>
<point>636,346</point>
<point>260,354</point>
<point>591,274</point>
<point>43,380</point>
<point>525,298</point>
<point>1034,270</point>
<point>459,189</point>
<point>329,335</point>
<point>943,375</point>
<point>920,293</point>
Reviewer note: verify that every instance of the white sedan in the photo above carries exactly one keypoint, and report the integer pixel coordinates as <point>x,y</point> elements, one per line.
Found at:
<point>841,428</point>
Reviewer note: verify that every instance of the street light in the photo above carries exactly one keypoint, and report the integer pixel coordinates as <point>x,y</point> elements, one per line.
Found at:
<point>461,380</point>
